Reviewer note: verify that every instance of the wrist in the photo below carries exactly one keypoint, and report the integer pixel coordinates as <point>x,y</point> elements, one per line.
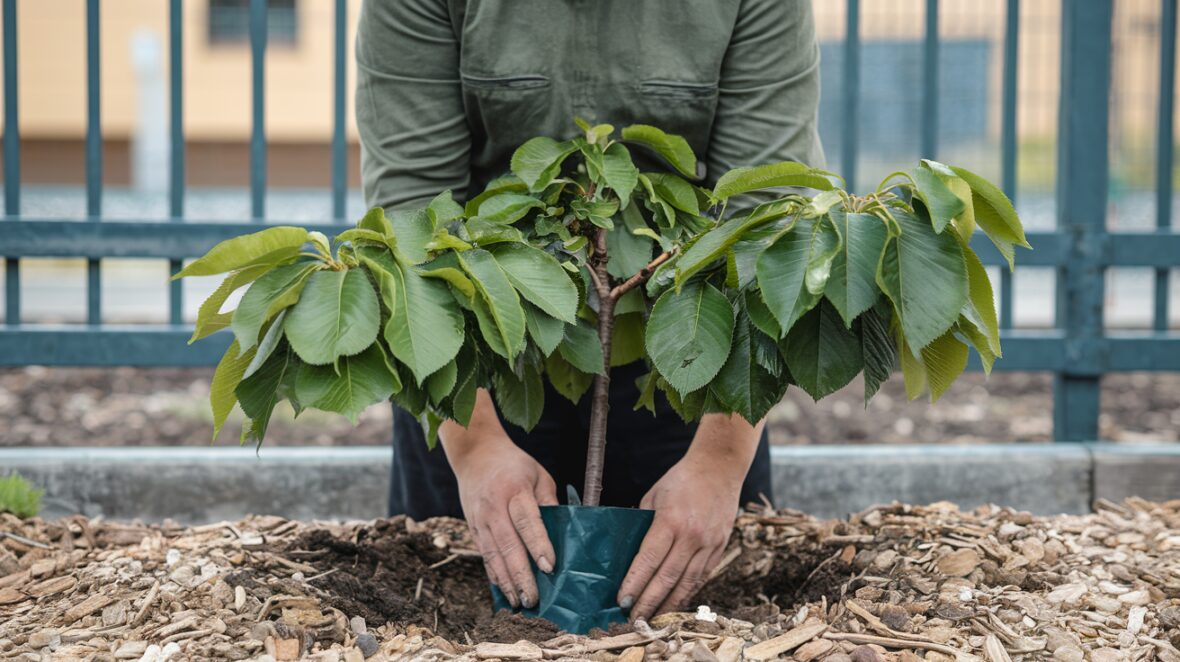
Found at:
<point>724,447</point>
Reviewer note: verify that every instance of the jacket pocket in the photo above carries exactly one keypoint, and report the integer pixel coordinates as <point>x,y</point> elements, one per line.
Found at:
<point>674,89</point>
<point>510,82</point>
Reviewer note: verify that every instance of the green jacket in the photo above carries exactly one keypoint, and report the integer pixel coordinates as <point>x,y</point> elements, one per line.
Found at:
<point>447,89</point>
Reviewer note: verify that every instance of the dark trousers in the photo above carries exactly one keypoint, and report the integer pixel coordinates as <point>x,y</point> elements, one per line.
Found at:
<point>640,449</point>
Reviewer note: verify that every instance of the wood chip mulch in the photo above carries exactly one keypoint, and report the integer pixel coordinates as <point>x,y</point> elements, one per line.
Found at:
<point>918,582</point>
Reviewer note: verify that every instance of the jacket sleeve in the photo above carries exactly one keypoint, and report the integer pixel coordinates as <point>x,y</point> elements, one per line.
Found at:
<point>768,90</point>
<point>414,137</point>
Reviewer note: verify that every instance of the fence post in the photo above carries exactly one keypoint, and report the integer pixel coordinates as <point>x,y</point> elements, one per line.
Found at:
<point>1082,175</point>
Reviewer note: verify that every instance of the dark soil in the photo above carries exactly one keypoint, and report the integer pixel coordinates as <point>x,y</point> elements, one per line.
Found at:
<point>377,576</point>
<point>169,407</point>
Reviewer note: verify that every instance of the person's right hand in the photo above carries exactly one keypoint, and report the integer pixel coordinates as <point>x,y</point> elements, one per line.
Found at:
<point>500,488</point>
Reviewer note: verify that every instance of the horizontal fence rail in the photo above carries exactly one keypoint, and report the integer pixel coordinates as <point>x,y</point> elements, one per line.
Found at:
<point>1078,352</point>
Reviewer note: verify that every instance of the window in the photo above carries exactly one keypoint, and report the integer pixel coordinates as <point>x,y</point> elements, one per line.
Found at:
<point>229,21</point>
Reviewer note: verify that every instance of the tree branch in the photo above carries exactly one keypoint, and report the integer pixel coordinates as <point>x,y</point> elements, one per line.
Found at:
<point>642,276</point>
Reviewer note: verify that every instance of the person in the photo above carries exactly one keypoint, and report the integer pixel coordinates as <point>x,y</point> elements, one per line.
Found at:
<point>446,90</point>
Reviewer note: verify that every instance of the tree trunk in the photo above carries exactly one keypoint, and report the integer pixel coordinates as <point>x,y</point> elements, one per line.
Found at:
<point>600,404</point>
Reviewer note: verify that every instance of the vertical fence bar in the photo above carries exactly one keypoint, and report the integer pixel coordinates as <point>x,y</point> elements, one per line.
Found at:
<point>1082,176</point>
<point>258,94</point>
<point>851,113</point>
<point>1008,139</point>
<point>1164,148</point>
<point>93,153</point>
<point>176,155</point>
<point>11,161</point>
<point>930,83</point>
<point>339,169</point>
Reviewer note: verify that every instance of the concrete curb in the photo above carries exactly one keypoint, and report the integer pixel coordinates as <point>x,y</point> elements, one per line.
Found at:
<point>199,485</point>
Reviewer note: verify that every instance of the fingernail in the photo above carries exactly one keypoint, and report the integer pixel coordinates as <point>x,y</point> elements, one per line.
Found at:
<point>627,602</point>
<point>525,600</point>
<point>545,565</point>
<point>512,600</point>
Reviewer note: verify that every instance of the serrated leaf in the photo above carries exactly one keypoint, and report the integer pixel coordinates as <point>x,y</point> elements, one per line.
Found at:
<point>412,230</point>
<point>912,370</point>
<point>348,388</point>
<point>761,316</point>
<point>627,341</point>
<point>271,293</point>
<point>567,380</point>
<point>520,400</point>
<point>774,175</point>
<point>877,350</point>
<point>374,220</point>
<point>743,385</point>
<point>940,201</point>
<point>210,319</point>
<point>425,326</point>
<point>675,191</point>
<point>226,377</point>
<point>443,209</point>
<point>446,268</point>
<point>944,359</point>
<point>995,215</point>
<point>852,286</point>
<point>582,348</point>
<point>266,346</point>
<point>463,399</point>
<point>539,278</point>
<point>978,339</point>
<point>271,246</point>
<point>981,301</point>
<point>546,331</point>
<point>784,266</point>
<point>923,275</point>
<point>628,252</point>
<point>619,172</point>
<point>688,335</point>
<point>538,161</point>
<point>260,391</point>
<point>714,243</point>
<point>673,149</point>
<point>337,315</point>
<point>822,355</point>
<point>441,382</point>
<point>507,208</point>
<point>507,183</point>
<point>497,308</point>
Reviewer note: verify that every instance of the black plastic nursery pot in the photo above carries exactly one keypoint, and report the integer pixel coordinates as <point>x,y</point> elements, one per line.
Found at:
<point>594,547</point>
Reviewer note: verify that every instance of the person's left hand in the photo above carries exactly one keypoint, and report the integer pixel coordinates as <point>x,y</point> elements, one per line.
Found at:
<point>696,503</point>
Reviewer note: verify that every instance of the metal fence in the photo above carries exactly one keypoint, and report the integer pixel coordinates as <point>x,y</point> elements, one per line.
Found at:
<point>1078,351</point>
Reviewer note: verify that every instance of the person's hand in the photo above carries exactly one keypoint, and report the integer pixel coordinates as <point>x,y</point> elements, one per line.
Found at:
<point>500,488</point>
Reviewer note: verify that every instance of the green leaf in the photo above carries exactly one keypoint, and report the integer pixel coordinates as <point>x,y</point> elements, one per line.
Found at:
<point>375,221</point>
<point>761,316</point>
<point>337,315</point>
<point>507,208</point>
<point>743,385</point>
<point>539,278</point>
<point>822,355</point>
<point>981,301</point>
<point>675,191</point>
<point>274,291</point>
<point>688,406</point>
<point>266,346</point>
<point>582,348</point>
<point>620,172</point>
<point>673,149</point>
<point>944,360</point>
<point>413,230</point>
<point>485,233</point>
<point>567,380</point>
<point>209,316</point>
<point>995,215</point>
<point>977,339</point>
<point>877,349</point>
<point>912,370</point>
<point>446,268</point>
<point>443,209</point>
<point>520,400</point>
<point>714,243</point>
<point>742,256</point>
<point>538,161</point>
<point>940,201</point>
<point>627,340</point>
<point>495,187</point>
<point>226,378</point>
<point>545,330</point>
<point>259,392</point>
<point>783,268</point>
<point>924,277</point>
<point>271,246</point>
<point>689,334</point>
<point>463,400</point>
<point>355,383</point>
<point>440,383</point>
<point>628,251</point>
<point>497,309</point>
<point>425,326</point>
<point>774,175</point>
<point>852,286</point>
